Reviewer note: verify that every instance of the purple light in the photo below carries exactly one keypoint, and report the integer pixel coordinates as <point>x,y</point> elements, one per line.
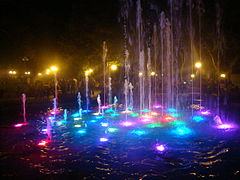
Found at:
<point>127,123</point>
<point>103,139</point>
<point>225,126</point>
<point>105,107</point>
<point>207,112</point>
<point>160,147</point>
<point>158,106</point>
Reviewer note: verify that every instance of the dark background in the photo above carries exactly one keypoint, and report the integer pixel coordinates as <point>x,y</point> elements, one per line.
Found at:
<point>48,32</point>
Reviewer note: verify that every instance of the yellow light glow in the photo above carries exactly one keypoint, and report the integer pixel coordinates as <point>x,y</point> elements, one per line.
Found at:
<point>39,74</point>
<point>90,70</point>
<point>87,72</point>
<point>222,75</point>
<point>113,67</point>
<point>48,71</point>
<point>54,68</point>
<point>10,72</point>
<point>192,75</point>
<point>153,73</point>
<point>14,72</point>
<point>140,74</point>
<point>27,73</point>
<point>198,64</point>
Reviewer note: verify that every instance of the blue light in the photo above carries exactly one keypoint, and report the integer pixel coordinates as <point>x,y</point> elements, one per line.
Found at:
<point>172,110</point>
<point>104,124</point>
<point>109,111</point>
<point>182,131</point>
<point>93,121</point>
<point>198,118</point>
<point>99,117</point>
<point>75,115</point>
<point>82,131</point>
<point>145,110</point>
<point>86,111</point>
<point>59,123</point>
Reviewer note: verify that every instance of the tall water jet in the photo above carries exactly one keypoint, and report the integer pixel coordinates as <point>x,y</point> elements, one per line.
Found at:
<point>24,107</point>
<point>54,107</point>
<point>87,95</point>
<point>104,55</point>
<point>115,103</point>
<point>130,86</point>
<point>149,69</point>
<point>126,94</point>
<point>65,115</point>
<point>99,104</point>
<point>110,91</point>
<point>79,100</point>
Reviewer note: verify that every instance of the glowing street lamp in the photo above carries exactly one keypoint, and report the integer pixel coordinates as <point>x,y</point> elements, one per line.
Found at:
<point>153,74</point>
<point>192,75</point>
<point>48,71</point>
<point>27,73</point>
<point>12,72</point>
<point>54,68</point>
<point>223,75</point>
<point>198,65</point>
<point>140,74</point>
<point>39,74</point>
<point>113,67</point>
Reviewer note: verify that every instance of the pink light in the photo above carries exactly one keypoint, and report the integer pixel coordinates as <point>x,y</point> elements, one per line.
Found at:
<point>146,120</point>
<point>154,113</point>
<point>43,143</point>
<point>20,124</point>
<point>157,106</point>
<point>160,147</point>
<point>105,107</point>
<point>127,123</point>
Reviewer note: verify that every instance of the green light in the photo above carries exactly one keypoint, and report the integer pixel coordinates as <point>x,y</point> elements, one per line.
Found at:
<point>175,115</point>
<point>112,130</point>
<point>114,115</point>
<point>154,125</point>
<point>134,114</point>
<point>177,123</point>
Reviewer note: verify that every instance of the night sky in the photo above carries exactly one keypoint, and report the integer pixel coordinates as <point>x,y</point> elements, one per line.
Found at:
<point>58,31</point>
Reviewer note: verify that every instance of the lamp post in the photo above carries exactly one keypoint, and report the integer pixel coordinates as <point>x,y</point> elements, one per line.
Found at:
<point>198,65</point>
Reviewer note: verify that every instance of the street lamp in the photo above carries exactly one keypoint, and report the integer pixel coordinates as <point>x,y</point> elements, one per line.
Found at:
<point>198,65</point>
<point>113,67</point>
<point>39,74</point>
<point>223,75</point>
<point>192,75</point>
<point>153,74</point>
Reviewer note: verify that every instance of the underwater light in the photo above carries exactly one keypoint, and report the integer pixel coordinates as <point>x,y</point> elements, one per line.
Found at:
<point>225,126</point>
<point>177,123</point>
<point>146,120</point>
<point>146,110</point>
<point>82,131</point>
<point>104,107</point>
<point>175,115</point>
<point>75,115</point>
<point>134,114</point>
<point>44,130</point>
<point>160,147</point>
<point>104,124</point>
<point>99,117</point>
<point>171,110</point>
<point>168,118</point>
<point>20,124</point>
<point>127,123</point>
<point>154,125</point>
<point>93,121</point>
<point>76,119</point>
<point>77,125</point>
<point>109,111</point>
<point>182,131</point>
<point>157,106</point>
<point>126,112</point>
<point>43,143</point>
<point>207,112</point>
<point>198,118</point>
<point>103,139</point>
<point>112,130</point>
<point>114,115</point>
<point>139,132</point>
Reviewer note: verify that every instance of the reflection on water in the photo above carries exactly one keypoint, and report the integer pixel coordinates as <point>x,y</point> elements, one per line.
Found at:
<point>205,153</point>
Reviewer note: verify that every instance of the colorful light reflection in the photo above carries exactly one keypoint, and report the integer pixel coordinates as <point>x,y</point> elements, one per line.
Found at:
<point>182,131</point>
<point>103,139</point>
<point>198,118</point>
<point>20,124</point>
<point>126,123</point>
<point>139,132</point>
<point>43,143</point>
<point>112,130</point>
<point>160,147</point>
<point>225,126</point>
